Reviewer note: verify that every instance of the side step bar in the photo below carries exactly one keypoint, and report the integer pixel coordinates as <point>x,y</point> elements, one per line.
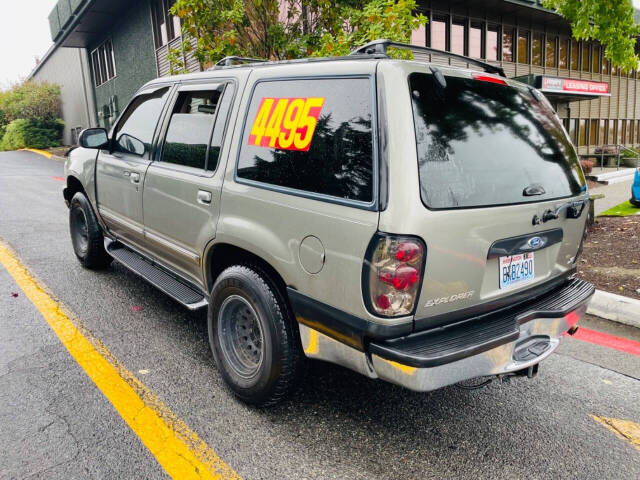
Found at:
<point>178,289</point>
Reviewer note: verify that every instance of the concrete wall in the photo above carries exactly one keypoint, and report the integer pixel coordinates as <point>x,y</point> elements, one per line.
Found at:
<point>69,68</point>
<point>135,64</point>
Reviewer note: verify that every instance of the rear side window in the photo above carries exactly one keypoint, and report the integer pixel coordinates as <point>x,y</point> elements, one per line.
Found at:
<point>311,135</point>
<point>484,144</point>
<point>190,127</point>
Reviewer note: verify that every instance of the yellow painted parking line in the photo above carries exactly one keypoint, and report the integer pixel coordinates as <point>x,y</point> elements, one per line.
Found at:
<point>40,152</point>
<point>175,446</point>
<point>625,429</point>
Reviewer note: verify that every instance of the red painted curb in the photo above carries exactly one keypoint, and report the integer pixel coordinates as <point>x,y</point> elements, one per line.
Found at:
<point>606,340</point>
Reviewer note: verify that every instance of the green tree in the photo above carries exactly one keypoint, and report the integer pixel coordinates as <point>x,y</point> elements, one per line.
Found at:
<point>286,29</point>
<point>611,22</point>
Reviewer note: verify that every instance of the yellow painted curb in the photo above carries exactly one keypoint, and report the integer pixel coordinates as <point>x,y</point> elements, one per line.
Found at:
<point>625,429</point>
<point>40,152</point>
<point>175,446</point>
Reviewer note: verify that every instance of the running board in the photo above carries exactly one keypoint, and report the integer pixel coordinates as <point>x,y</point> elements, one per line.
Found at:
<point>178,289</point>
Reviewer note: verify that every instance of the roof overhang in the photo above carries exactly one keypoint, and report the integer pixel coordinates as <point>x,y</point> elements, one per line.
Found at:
<point>78,23</point>
<point>566,89</point>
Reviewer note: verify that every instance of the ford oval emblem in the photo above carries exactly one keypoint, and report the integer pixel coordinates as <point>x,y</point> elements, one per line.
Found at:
<point>535,242</point>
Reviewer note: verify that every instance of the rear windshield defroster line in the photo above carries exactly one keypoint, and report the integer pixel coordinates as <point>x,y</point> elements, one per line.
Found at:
<point>482,144</point>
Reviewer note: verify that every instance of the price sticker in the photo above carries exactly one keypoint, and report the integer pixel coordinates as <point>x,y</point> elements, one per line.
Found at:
<point>286,123</point>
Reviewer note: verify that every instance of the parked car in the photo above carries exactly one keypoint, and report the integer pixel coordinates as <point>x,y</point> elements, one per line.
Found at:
<point>413,222</point>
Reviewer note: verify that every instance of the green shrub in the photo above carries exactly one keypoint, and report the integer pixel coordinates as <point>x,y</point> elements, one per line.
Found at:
<point>32,133</point>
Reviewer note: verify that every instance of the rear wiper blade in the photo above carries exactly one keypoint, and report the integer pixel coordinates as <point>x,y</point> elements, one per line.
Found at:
<point>533,189</point>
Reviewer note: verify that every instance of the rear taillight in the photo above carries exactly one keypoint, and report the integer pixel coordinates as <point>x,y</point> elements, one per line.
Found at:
<point>392,274</point>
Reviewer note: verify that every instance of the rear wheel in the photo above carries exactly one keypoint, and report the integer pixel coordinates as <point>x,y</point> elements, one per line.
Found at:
<point>253,337</point>
<point>86,234</point>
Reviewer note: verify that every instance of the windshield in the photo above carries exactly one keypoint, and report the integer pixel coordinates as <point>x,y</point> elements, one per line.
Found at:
<point>485,144</point>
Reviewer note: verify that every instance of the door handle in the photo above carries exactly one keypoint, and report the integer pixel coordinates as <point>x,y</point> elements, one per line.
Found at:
<point>135,177</point>
<point>204,197</point>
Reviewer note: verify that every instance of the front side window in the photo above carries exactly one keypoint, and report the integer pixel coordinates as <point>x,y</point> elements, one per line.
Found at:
<point>317,139</point>
<point>190,127</point>
<point>482,144</point>
<point>134,133</point>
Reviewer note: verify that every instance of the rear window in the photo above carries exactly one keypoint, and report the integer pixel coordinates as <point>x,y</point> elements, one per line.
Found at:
<point>311,136</point>
<point>484,144</point>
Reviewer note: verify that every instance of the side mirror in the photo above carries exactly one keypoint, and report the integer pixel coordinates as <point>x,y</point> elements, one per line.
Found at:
<point>93,138</point>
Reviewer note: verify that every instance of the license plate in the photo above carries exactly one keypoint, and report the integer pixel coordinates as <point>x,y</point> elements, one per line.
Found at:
<point>516,269</point>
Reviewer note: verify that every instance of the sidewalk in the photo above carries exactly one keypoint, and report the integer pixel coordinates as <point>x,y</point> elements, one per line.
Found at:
<point>614,194</point>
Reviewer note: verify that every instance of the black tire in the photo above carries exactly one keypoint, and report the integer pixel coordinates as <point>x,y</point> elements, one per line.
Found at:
<point>86,234</point>
<point>246,301</point>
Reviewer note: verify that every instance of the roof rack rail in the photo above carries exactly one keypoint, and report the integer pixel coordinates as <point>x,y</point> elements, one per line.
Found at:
<point>232,60</point>
<point>380,46</point>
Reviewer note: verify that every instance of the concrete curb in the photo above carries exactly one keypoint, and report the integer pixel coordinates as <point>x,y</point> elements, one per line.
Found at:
<point>615,308</point>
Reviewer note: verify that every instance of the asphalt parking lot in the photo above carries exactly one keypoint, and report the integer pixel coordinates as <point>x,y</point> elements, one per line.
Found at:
<point>55,423</point>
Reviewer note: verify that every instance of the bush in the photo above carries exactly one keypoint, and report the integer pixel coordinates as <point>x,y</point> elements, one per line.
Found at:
<point>587,166</point>
<point>29,116</point>
<point>32,133</point>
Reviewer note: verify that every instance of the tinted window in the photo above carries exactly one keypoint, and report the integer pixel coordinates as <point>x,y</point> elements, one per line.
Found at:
<point>318,138</point>
<point>563,57</point>
<point>507,45</point>
<point>438,27</point>
<point>482,144</point>
<point>190,126</point>
<point>523,47</point>
<point>550,54</point>
<point>220,126</point>
<point>135,130</point>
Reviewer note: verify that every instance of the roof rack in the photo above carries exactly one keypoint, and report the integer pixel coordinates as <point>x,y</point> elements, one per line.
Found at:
<point>232,60</point>
<point>379,47</point>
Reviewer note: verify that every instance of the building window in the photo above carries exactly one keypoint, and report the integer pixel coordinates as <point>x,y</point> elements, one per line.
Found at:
<point>536,49</point>
<point>611,135</point>
<point>573,127</point>
<point>438,32</point>
<point>574,55</point>
<point>475,40</point>
<point>563,56</point>
<point>457,38</point>
<point>166,27</point>
<point>605,65</point>
<point>602,133</point>
<point>622,138</point>
<point>593,132</point>
<point>586,48</point>
<point>103,63</point>
<point>523,47</point>
<point>630,132</point>
<point>595,59</point>
<point>507,45</point>
<point>492,42</point>
<point>638,131</point>
<point>582,132</point>
<point>550,53</point>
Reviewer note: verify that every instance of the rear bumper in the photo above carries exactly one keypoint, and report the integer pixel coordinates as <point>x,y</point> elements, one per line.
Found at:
<point>488,346</point>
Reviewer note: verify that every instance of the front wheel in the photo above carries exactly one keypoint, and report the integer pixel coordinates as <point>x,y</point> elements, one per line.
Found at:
<point>86,234</point>
<point>253,336</point>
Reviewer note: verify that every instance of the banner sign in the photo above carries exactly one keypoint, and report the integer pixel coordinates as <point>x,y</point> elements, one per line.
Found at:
<point>286,123</point>
<point>571,85</point>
